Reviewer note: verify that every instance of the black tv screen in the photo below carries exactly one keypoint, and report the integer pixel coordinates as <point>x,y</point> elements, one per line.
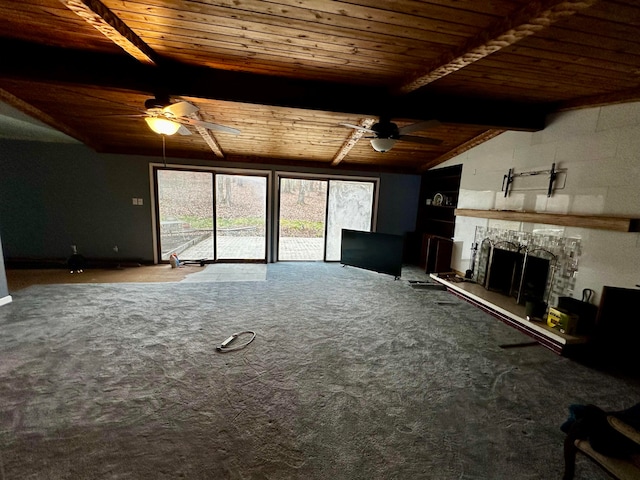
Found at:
<point>380,252</point>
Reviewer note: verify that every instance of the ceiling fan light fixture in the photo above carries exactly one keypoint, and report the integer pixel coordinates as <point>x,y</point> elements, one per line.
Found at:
<point>162,125</point>
<point>382,144</point>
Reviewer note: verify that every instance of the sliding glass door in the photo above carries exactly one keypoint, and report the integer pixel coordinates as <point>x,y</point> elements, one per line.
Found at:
<point>201,223</point>
<point>210,216</point>
<point>313,213</point>
<point>241,217</point>
<point>303,206</point>
<point>351,207</point>
<point>185,209</point>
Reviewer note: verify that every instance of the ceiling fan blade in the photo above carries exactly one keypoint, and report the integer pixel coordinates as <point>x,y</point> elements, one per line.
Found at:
<point>358,127</point>
<point>118,115</point>
<point>184,130</point>
<point>211,126</point>
<point>180,109</point>
<point>422,140</point>
<point>414,127</point>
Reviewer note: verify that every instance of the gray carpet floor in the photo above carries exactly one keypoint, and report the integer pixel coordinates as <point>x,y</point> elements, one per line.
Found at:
<point>352,375</point>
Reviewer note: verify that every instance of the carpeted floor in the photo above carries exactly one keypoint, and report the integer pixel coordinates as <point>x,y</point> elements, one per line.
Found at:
<point>352,375</point>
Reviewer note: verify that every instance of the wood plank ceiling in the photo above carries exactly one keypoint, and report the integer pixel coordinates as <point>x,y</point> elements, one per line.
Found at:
<point>288,73</point>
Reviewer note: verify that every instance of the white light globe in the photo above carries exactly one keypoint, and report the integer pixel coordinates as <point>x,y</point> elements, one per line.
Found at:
<point>162,125</point>
<point>382,144</point>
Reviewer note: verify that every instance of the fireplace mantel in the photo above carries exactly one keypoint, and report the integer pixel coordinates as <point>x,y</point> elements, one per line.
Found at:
<point>618,224</point>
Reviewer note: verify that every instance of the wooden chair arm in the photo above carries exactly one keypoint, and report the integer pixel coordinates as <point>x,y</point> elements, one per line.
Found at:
<point>616,467</point>
<point>624,428</point>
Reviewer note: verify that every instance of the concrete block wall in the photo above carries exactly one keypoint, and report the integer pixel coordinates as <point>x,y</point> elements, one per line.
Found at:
<point>598,150</point>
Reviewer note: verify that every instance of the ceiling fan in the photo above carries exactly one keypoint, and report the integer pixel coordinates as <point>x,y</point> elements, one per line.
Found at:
<point>386,133</point>
<point>167,118</point>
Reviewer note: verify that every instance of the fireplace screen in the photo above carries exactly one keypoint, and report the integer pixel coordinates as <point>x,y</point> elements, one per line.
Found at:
<point>505,268</point>
<point>516,271</point>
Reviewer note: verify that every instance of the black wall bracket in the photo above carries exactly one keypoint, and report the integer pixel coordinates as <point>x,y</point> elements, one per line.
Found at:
<point>507,179</point>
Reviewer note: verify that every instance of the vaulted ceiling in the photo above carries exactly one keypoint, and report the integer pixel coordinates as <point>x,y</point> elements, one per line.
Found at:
<point>289,73</point>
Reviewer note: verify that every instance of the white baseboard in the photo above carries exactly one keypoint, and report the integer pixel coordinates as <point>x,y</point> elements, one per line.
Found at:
<point>5,300</point>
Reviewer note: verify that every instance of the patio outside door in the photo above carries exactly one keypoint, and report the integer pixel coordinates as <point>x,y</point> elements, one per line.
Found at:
<point>314,212</point>
<point>196,225</point>
<point>303,206</point>
<point>241,217</point>
<point>350,207</point>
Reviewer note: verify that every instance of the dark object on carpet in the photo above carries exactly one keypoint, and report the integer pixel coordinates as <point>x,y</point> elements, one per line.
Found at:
<point>605,438</point>
<point>589,422</point>
<point>76,263</point>
<point>521,344</point>
<point>426,285</point>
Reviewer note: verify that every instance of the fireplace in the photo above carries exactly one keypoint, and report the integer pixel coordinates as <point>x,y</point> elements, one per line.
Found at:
<point>519,271</point>
<point>535,276</point>
<point>537,266</point>
<point>504,268</point>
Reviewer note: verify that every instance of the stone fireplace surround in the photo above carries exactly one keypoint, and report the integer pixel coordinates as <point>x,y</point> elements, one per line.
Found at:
<point>565,250</point>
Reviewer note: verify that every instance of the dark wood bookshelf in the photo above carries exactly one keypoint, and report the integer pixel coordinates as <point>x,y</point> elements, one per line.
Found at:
<point>431,243</point>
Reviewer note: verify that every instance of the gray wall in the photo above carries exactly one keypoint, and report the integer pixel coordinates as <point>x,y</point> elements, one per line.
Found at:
<point>4,288</point>
<point>398,203</point>
<point>53,196</point>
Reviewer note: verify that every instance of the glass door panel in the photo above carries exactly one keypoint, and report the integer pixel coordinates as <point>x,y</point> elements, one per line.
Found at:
<point>241,217</point>
<point>350,207</point>
<point>185,208</point>
<point>303,206</point>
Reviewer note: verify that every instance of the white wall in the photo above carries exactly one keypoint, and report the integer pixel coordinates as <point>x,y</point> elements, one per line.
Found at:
<point>599,149</point>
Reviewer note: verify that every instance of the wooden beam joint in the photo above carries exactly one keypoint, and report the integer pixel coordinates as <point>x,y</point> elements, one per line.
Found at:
<point>351,141</point>
<point>96,14</point>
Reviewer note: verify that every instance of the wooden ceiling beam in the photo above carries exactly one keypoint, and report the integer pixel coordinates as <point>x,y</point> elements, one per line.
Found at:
<point>210,141</point>
<point>526,21</point>
<point>38,114</point>
<point>624,96</point>
<point>351,141</point>
<point>96,14</point>
<point>480,112</point>
<point>207,137</point>
<point>74,67</point>
<point>460,149</point>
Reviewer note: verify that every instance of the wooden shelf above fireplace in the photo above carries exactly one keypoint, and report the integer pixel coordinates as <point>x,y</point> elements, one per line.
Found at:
<point>618,224</point>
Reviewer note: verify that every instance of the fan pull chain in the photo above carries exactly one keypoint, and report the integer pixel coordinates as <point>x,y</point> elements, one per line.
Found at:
<point>164,153</point>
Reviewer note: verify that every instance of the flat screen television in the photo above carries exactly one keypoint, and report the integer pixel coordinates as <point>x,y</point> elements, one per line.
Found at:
<point>380,252</point>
